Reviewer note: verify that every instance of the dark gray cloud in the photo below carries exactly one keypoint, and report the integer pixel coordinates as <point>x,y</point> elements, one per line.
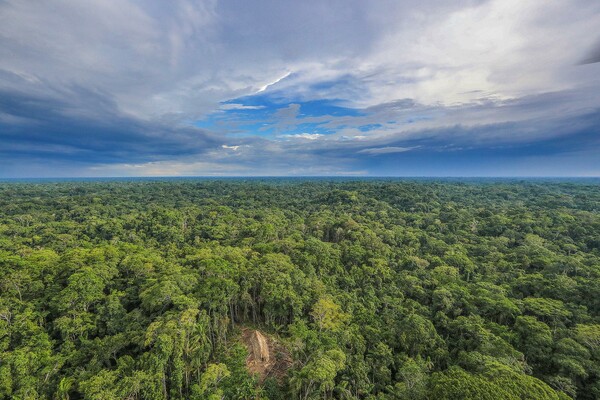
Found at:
<point>593,55</point>
<point>89,129</point>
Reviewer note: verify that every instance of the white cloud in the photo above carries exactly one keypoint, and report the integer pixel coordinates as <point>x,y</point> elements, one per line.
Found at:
<point>387,150</point>
<point>307,136</point>
<point>234,106</point>
<point>497,49</point>
<point>276,81</point>
<point>184,59</point>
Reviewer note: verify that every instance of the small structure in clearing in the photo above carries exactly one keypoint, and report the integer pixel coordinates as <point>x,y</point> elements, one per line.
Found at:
<point>266,357</point>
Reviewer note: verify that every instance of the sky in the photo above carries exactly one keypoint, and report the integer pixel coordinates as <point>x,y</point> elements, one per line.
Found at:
<point>102,88</point>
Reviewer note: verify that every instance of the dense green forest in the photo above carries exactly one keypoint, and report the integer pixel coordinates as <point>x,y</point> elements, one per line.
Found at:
<point>378,289</point>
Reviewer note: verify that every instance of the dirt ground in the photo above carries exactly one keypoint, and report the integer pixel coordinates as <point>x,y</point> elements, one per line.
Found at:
<point>266,357</point>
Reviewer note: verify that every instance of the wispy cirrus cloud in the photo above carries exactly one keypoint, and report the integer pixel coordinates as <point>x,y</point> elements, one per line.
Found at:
<point>307,136</point>
<point>386,150</point>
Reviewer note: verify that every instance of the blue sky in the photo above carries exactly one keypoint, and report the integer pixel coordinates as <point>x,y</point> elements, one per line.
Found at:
<point>231,87</point>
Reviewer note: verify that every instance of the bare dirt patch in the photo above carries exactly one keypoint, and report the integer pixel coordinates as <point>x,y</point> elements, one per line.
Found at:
<point>266,357</point>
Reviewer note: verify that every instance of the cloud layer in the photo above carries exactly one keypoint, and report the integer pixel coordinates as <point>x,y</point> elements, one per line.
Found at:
<point>429,87</point>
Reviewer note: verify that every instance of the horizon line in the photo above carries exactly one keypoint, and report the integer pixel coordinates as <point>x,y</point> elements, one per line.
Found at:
<point>306,177</point>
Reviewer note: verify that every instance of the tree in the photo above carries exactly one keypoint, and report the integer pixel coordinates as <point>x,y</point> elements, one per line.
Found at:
<point>328,315</point>
<point>534,339</point>
<point>208,388</point>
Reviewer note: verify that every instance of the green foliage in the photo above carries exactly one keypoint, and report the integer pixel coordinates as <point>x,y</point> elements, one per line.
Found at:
<point>327,315</point>
<point>380,289</point>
